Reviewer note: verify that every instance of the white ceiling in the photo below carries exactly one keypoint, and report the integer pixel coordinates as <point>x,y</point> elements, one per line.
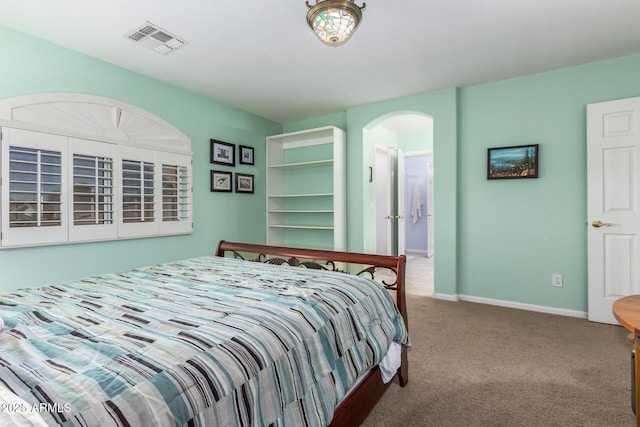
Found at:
<point>260,55</point>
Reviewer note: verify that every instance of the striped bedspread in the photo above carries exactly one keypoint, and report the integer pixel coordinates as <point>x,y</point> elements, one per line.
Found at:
<point>202,342</point>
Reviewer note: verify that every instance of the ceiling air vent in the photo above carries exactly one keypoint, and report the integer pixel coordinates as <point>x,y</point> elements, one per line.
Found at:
<point>154,37</point>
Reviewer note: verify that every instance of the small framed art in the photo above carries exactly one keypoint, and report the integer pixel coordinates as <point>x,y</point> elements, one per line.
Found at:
<point>221,181</point>
<point>246,155</point>
<point>223,153</point>
<point>244,183</point>
<point>518,161</point>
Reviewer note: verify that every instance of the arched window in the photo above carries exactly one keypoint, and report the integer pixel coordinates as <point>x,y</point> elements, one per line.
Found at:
<point>85,168</point>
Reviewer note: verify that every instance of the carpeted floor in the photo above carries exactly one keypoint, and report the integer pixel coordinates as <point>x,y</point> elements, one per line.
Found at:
<point>480,365</point>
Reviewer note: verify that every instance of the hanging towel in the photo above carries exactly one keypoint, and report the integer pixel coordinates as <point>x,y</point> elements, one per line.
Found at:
<point>416,204</point>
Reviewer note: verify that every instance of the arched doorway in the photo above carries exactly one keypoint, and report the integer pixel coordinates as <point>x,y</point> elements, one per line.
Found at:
<point>398,161</point>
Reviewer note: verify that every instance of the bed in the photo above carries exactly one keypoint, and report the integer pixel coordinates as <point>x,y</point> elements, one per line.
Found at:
<point>255,335</point>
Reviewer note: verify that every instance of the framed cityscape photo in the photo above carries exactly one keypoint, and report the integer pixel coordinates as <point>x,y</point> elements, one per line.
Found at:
<point>246,155</point>
<point>221,181</point>
<point>223,153</point>
<point>244,183</point>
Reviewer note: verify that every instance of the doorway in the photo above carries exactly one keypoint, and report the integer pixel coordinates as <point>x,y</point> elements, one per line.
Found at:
<point>395,197</point>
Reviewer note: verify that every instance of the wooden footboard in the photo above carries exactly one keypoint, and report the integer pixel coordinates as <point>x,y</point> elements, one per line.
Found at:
<point>359,403</point>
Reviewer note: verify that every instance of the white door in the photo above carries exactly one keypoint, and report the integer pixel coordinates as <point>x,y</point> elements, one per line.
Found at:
<point>382,179</point>
<point>390,201</point>
<point>613,221</point>
<point>390,194</point>
<point>430,229</point>
<point>401,225</point>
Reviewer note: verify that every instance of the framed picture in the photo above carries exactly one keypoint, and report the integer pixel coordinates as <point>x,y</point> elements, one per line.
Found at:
<point>221,181</point>
<point>519,161</point>
<point>246,155</point>
<point>244,183</point>
<point>223,153</point>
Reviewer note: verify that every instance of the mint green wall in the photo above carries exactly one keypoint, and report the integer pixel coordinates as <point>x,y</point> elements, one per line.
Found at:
<point>442,107</point>
<point>514,234</point>
<point>29,65</point>
<point>338,120</point>
<point>502,240</point>
<point>416,141</point>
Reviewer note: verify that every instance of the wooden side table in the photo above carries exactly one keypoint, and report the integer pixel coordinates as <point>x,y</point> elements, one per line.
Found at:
<point>627,311</point>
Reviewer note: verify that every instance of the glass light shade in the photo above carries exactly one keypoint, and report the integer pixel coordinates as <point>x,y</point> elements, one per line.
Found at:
<point>334,21</point>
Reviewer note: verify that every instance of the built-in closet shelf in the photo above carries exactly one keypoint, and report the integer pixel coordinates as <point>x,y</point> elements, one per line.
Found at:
<point>307,246</point>
<point>302,227</point>
<point>303,165</point>
<point>306,185</point>
<point>282,196</point>
<point>301,211</point>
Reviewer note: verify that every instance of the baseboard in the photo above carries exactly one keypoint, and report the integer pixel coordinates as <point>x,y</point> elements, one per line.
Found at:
<point>416,252</point>
<point>446,297</point>
<point>512,304</point>
<point>523,306</point>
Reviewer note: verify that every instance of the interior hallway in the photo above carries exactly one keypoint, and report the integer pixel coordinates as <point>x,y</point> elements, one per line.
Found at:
<point>419,274</point>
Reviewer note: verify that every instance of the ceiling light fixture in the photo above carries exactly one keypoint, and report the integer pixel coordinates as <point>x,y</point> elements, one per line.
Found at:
<point>334,21</point>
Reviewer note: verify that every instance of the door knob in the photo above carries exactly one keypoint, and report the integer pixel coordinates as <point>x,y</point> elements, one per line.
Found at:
<point>597,224</point>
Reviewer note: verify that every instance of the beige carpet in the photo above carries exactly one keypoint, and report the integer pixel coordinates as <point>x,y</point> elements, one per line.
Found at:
<point>481,365</point>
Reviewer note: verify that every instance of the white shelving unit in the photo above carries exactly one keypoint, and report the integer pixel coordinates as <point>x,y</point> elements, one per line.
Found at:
<point>306,189</point>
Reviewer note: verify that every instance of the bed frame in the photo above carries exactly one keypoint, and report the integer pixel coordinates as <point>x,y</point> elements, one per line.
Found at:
<point>360,402</point>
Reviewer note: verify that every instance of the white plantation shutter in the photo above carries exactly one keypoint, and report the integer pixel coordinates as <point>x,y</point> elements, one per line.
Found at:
<point>170,193</point>
<point>33,187</point>
<point>138,191</point>
<point>184,194</point>
<point>58,189</point>
<point>176,193</point>
<point>76,167</point>
<point>138,201</point>
<point>93,191</point>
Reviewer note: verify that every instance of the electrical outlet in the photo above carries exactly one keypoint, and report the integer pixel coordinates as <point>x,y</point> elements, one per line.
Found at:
<point>556,280</point>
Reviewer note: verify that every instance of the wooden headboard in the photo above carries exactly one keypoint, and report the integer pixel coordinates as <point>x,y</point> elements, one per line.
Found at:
<point>326,260</point>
